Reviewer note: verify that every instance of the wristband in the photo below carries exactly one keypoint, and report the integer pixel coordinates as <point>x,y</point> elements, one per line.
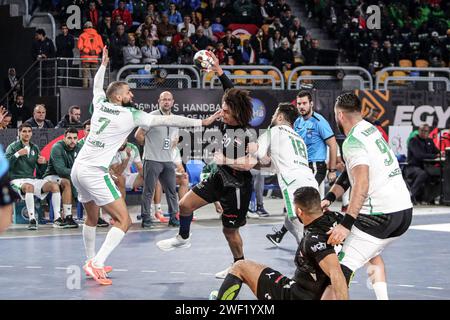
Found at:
<point>348,221</point>
<point>330,196</point>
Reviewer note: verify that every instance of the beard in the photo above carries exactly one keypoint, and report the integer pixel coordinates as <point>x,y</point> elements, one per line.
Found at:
<point>129,104</point>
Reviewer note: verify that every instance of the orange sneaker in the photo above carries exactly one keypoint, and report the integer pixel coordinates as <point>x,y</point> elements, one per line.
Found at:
<point>108,269</point>
<point>98,274</point>
<point>159,216</point>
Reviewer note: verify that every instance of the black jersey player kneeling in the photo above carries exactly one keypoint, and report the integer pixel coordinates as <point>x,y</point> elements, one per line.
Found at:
<point>317,263</point>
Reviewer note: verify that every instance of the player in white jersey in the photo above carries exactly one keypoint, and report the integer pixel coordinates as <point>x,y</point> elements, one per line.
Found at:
<point>112,121</point>
<point>127,156</point>
<point>287,152</point>
<point>380,208</point>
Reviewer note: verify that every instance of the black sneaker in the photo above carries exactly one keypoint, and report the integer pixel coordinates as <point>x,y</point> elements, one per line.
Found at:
<point>32,225</point>
<point>59,223</point>
<point>276,237</point>
<point>147,223</point>
<point>70,223</point>
<point>102,223</point>
<point>262,212</point>
<point>173,222</point>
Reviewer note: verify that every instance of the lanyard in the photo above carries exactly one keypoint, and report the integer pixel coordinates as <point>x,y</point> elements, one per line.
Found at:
<point>168,128</point>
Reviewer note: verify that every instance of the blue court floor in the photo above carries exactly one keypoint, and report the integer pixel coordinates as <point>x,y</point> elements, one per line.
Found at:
<point>46,265</point>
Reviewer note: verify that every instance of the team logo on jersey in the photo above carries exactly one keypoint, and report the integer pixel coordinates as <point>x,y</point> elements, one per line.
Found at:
<point>318,246</point>
<point>259,112</point>
<point>33,153</point>
<point>268,296</point>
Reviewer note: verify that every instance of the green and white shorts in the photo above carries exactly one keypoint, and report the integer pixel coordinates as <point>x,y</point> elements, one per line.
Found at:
<point>37,184</point>
<point>94,184</point>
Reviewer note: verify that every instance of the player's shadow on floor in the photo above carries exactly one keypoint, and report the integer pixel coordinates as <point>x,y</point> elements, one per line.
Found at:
<point>282,249</point>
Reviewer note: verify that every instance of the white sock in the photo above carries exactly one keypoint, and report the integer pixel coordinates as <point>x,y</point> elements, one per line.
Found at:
<point>67,208</point>
<point>56,203</point>
<point>380,289</point>
<point>100,213</point>
<point>89,241</point>
<point>158,206</point>
<point>29,203</point>
<point>113,238</point>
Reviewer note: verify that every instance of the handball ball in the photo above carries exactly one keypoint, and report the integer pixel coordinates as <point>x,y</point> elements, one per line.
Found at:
<point>203,60</point>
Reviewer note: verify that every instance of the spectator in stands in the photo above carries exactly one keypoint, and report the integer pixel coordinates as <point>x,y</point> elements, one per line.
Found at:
<point>371,58</point>
<point>199,41</point>
<point>65,43</point>
<point>186,24</point>
<point>38,119</point>
<point>20,113</point>
<point>71,119</point>
<point>435,50</point>
<point>298,29</point>
<point>419,148</point>
<point>287,20</point>
<point>294,43</point>
<point>389,56</point>
<point>12,83</point>
<point>90,45</point>
<point>148,24</point>
<point>398,43</point>
<point>221,53</point>
<point>180,36</point>
<point>124,14</point>
<point>231,42</point>
<point>26,166</point>
<point>152,12</point>
<point>131,53</point>
<point>196,18</point>
<point>259,43</point>
<point>276,26</point>
<point>117,41</point>
<point>275,42</point>
<point>247,55</point>
<point>244,11</point>
<point>207,30</point>
<point>183,52</point>
<point>283,57</point>
<point>106,29</point>
<point>165,30</point>
<point>412,46</point>
<point>213,10</point>
<point>173,15</point>
<point>62,157</point>
<point>150,52</point>
<point>218,28</point>
<point>280,7</point>
<point>7,119</point>
<point>42,48</point>
<point>93,15</point>
<point>264,13</point>
<point>139,10</point>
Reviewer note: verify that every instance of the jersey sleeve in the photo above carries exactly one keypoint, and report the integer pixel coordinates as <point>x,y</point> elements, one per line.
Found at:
<point>318,248</point>
<point>146,121</point>
<point>99,93</point>
<point>264,144</point>
<point>355,153</point>
<point>325,129</point>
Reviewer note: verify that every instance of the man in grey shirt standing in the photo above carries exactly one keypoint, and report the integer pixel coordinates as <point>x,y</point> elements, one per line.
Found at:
<point>159,143</point>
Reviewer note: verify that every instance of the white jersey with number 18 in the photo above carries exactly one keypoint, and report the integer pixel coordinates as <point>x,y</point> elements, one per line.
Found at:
<point>388,193</point>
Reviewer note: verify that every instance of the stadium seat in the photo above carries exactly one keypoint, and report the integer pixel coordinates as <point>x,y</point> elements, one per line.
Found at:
<point>194,169</point>
<point>399,74</point>
<point>286,76</point>
<point>209,76</point>
<point>274,74</point>
<point>420,63</point>
<point>382,77</point>
<point>257,73</point>
<point>405,63</point>
<point>240,73</point>
<point>306,73</point>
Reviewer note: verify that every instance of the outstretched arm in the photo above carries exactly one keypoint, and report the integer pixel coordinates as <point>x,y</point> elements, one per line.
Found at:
<point>146,120</point>
<point>226,82</point>
<point>99,93</point>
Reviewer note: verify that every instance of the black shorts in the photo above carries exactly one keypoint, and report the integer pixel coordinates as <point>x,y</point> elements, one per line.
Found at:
<point>272,285</point>
<point>7,194</point>
<point>234,201</point>
<point>385,226</point>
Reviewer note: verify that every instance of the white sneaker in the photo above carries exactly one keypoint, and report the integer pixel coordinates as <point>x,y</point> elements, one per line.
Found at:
<point>222,274</point>
<point>174,243</point>
<point>252,215</point>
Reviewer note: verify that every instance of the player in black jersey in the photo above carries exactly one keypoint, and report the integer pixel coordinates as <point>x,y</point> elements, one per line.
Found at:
<point>231,184</point>
<point>317,263</point>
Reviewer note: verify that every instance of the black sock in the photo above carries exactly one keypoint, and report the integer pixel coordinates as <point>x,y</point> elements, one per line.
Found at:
<point>230,287</point>
<point>283,230</point>
<point>237,259</point>
<point>185,225</point>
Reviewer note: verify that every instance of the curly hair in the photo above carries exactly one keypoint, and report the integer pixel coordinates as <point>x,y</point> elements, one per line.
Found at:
<point>240,104</point>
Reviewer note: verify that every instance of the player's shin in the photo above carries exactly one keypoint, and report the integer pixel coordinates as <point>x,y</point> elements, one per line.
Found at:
<point>89,241</point>
<point>113,238</point>
<point>230,288</point>
<point>29,203</point>
<point>56,203</point>
<point>185,225</point>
